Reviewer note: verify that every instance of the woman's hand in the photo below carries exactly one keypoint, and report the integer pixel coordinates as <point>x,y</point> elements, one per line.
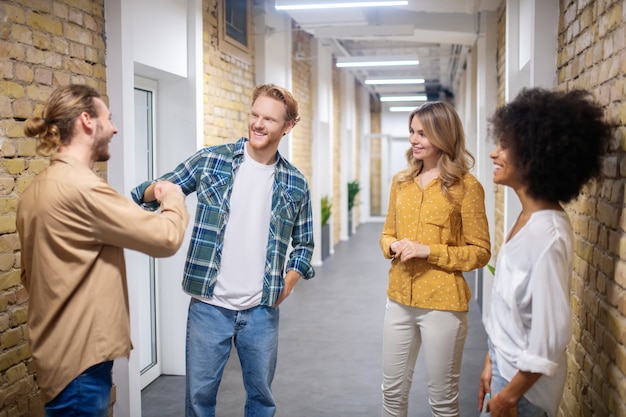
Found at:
<point>499,407</point>
<point>485,382</point>
<point>406,249</point>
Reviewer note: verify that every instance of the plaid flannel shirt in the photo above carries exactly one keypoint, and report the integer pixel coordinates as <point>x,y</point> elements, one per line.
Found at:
<point>210,173</point>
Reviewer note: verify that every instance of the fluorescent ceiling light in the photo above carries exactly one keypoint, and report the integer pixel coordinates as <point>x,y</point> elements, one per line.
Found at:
<point>376,61</point>
<point>361,31</point>
<point>404,98</point>
<point>373,81</point>
<point>401,109</point>
<point>294,5</point>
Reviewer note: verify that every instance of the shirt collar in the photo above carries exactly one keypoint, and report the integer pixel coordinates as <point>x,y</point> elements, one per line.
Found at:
<point>238,153</point>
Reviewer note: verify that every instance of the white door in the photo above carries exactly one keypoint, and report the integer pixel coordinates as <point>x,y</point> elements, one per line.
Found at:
<point>149,354</point>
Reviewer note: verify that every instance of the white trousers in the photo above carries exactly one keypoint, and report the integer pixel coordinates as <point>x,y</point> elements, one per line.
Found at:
<point>442,335</point>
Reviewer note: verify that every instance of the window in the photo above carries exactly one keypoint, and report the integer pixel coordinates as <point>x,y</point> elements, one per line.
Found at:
<point>235,28</point>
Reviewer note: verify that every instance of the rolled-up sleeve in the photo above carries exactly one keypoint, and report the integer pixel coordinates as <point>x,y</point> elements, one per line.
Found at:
<point>302,241</point>
<point>551,326</point>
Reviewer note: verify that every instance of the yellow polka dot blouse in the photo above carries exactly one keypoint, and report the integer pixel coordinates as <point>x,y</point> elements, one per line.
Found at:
<point>457,234</point>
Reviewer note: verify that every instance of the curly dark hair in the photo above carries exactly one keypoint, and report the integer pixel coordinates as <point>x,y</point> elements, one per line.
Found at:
<point>556,140</point>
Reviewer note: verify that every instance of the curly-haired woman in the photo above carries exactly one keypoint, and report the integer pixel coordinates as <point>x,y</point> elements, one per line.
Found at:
<point>549,144</point>
<point>435,230</point>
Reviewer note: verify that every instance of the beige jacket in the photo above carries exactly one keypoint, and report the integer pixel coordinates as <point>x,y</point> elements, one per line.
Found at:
<point>73,227</point>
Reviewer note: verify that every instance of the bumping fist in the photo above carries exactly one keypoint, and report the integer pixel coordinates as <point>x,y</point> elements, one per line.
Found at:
<point>161,188</point>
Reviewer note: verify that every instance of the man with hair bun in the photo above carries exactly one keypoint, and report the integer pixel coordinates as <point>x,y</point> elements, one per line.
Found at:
<point>73,228</point>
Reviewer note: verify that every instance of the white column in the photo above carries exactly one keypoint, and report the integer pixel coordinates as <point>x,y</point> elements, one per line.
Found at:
<point>365,155</point>
<point>486,103</point>
<point>120,86</point>
<point>347,148</point>
<point>322,157</point>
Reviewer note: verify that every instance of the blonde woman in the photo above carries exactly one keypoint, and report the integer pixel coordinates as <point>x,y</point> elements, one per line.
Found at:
<point>435,230</point>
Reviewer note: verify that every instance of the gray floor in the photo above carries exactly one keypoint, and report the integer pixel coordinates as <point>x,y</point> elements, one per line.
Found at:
<point>329,360</point>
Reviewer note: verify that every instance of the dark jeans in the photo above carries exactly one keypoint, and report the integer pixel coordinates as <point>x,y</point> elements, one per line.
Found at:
<point>88,395</point>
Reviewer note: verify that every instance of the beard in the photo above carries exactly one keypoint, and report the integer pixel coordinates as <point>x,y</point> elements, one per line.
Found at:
<point>100,148</point>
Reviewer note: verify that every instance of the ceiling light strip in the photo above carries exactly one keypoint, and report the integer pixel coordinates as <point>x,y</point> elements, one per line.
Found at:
<point>395,81</point>
<point>404,98</point>
<point>376,63</point>
<point>295,6</point>
<point>401,109</point>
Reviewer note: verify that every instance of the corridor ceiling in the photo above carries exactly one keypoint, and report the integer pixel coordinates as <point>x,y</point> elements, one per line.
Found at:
<point>439,33</point>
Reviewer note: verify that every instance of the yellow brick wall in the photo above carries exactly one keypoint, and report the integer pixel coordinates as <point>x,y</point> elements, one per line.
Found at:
<point>228,84</point>
<point>375,159</point>
<point>498,238</point>
<point>592,56</point>
<point>43,45</point>
<point>302,134</point>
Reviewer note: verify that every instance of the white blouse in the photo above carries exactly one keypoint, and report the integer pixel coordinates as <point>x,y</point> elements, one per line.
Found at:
<point>529,321</point>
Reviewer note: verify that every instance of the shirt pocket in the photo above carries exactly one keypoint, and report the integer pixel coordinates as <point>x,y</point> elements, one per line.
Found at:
<point>438,226</point>
<point>286,212</point>
<point>212,189</point>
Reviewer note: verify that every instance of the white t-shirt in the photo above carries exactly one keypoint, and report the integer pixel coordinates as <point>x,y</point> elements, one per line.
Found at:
<point>529,322</point>
<point>239,283</point>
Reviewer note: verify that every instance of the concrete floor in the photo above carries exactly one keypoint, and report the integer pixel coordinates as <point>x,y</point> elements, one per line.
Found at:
<point>329,359</point>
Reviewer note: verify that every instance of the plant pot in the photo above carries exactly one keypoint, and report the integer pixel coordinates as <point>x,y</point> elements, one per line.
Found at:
<point>325,241</point>
<point>350,223</point>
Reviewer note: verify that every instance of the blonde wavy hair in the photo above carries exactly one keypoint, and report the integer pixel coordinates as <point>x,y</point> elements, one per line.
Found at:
<point>443,128</point>
<point>56,126</point>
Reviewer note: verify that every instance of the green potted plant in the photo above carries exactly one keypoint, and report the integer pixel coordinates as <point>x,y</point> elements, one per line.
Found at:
<point>353,190</point>
<point>326,212</point>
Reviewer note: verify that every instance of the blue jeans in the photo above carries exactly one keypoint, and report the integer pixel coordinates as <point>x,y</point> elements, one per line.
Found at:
<point>88,395</point>
<point>524,407</point>
<point>211,332</point>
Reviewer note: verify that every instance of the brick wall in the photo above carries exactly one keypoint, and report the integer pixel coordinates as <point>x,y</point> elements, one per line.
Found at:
<point>498,237</point>
<point>592,56</point>
<point>43,45</point>
<point>302,134</point>
<point>228,83</point>
<point>375,159</point>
